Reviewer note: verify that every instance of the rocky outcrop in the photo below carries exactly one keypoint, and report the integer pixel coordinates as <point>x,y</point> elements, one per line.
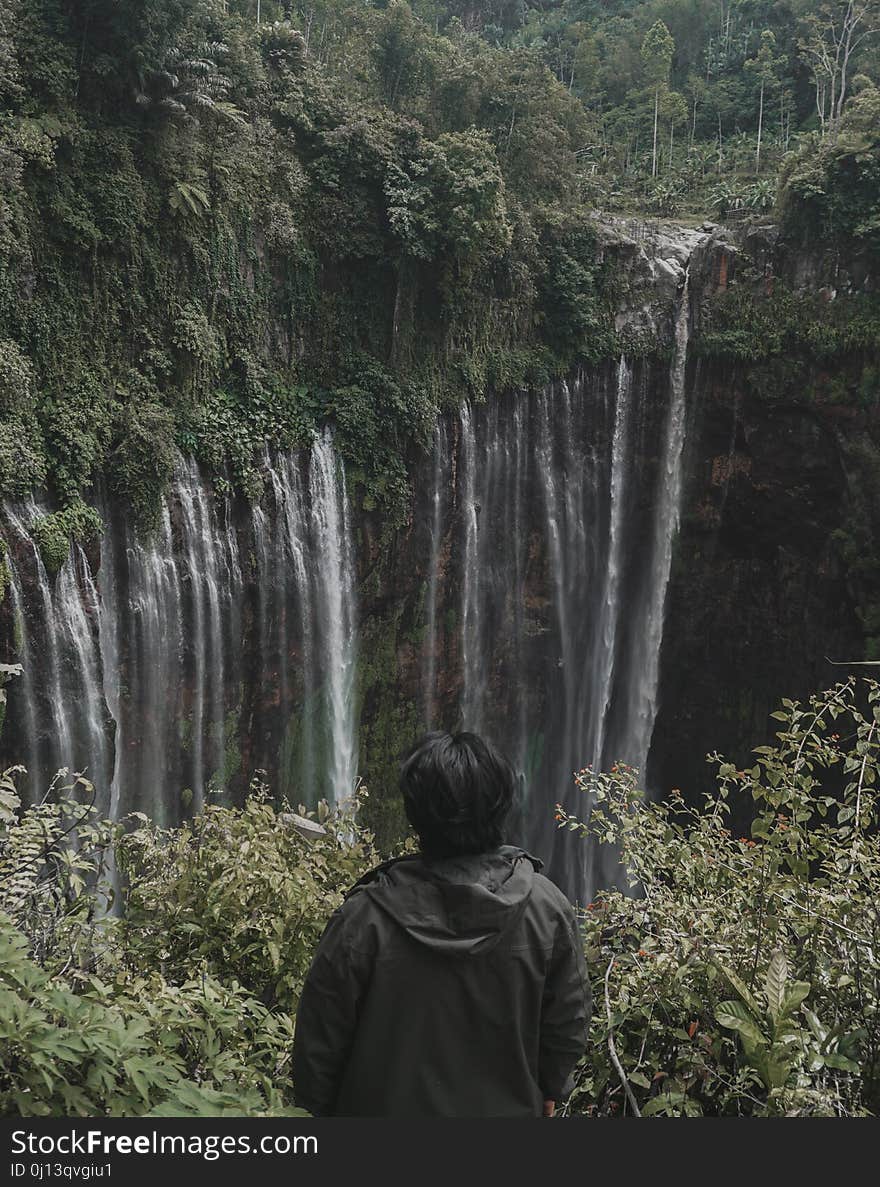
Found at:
<point>648,259</point>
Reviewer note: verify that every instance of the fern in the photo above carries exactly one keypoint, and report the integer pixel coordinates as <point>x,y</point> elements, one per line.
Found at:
<point>188,198</point>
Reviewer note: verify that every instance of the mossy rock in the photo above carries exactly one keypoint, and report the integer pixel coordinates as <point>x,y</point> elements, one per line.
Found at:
<point>54,533</point>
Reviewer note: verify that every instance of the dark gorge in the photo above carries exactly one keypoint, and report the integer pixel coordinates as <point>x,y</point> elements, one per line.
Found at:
<point>627,564</point>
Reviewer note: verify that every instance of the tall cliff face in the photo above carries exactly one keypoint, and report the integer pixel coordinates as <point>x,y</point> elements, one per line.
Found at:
<point>775,573</point>
<point>760,598</point>
<point>632,564</point>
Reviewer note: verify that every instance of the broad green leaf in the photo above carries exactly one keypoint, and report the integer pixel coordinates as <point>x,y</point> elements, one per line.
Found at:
<point>741,988</point>
<point>841,1062</point>
<point>797,992</point>
<point>779,1066</point>
<point>736,1016</point>
<point>665,1102</point>
<point>815,1024</point>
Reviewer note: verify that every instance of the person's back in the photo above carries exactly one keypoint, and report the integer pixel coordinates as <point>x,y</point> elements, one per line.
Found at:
<point>450,983</point>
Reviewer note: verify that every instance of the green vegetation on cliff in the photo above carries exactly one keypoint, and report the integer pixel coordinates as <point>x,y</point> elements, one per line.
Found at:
<point>212,233</point>
<point>223,222</point>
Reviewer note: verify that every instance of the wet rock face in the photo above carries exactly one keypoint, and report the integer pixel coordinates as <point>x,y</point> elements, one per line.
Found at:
<point>759,593</point>
<point>650,259</point>
<point>759,597</point>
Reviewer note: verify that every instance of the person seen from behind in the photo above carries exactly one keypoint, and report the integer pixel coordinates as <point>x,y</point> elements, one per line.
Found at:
<point>451,982</point>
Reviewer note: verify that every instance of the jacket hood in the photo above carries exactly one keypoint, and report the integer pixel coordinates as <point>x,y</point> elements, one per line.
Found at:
<point>454,905</point>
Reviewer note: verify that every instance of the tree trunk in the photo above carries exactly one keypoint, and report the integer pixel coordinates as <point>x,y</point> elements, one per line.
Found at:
<point>832,104</point>
<point>852,19</point>
<point>720,151</point>
<point>760,129</point>
<point>654,151</point>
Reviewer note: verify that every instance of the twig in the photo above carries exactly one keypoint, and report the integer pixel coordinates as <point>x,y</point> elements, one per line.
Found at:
<point>645,1039</point>
<point>858,811</point>
<point>612,1050</point>
<point>741,1091</point>
<point>760,933</point>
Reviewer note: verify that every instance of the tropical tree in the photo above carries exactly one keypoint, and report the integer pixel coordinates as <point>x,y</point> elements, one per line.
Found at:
<point>765,66</point>
<point>674,110</point>
<point>828,41</point>
<point>657,50</point>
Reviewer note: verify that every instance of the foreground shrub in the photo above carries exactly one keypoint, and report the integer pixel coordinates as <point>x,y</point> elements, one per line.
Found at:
<point>741,977</point>
<point>238,893</point>
<point>87,1047</point>
<point>184,1006</point>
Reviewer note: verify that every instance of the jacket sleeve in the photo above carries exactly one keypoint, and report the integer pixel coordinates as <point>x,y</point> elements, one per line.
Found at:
<point>565,1011</point>
<point>326,1019</point>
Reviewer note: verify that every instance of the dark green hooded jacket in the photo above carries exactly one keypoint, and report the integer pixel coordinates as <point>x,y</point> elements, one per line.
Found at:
<point>444,988</point>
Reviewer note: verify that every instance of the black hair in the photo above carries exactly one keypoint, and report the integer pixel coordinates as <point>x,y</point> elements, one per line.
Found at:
<point>457,791</point>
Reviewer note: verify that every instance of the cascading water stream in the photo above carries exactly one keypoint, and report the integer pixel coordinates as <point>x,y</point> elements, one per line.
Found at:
<point>19,626</point>
<point>58,704</point>
<point>472,677</point>
<point>290,499</point>
<point>334,596</point>
<point>137,675</point>
<point>430,693</point>
<point>76,614</point>
<point>609,607</point>
<point>644,677</point>
<point>153,619</point>
<point>107,598</point>
<point>200,539</point>
<point>556,602</point>
<point>554,476</point>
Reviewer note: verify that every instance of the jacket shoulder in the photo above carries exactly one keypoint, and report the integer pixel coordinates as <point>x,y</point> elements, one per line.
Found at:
<point>379,873</point>
<point>548,895</point>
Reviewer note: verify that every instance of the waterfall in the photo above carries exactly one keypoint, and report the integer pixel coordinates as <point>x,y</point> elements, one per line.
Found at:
<point>21,635</point>
<point>148,612</point>
<point>609,606</point>
<point>430,689</point>
<point>107,598</point>
<point>334,594</point>
<point>560,601</point>
<point>76,617</point>
<point>59,699</point>
<point>644,677</point>
<point>529,601</point>
<point>514,531</point>
<point>184,645</point>
<point>200,539</point>
<point>472,674</point>
<point>295,582</point>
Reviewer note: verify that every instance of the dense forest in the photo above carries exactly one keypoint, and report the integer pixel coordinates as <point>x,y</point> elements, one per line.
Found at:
<point>222,222</point>
<point>239,231</point>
